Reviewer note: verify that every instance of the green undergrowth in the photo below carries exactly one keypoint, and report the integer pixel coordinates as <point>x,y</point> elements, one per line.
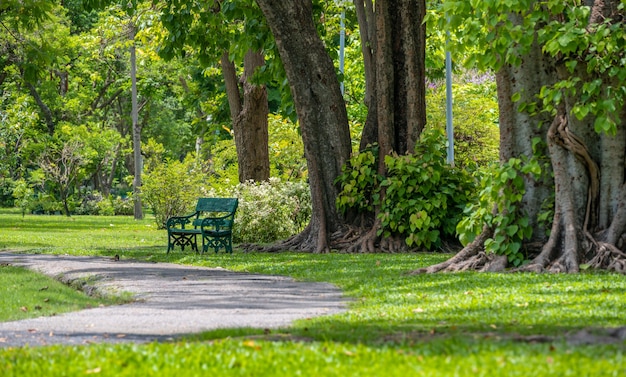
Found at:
<point>395,324</point>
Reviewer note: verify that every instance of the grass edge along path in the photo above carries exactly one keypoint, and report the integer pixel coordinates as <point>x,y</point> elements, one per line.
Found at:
<point>28,294</point>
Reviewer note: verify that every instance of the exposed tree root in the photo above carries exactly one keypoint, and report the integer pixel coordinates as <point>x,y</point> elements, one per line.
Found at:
<point>350,239</point>
<point>302,242</point>
<point>463,258</point>
<point>570,243</point>
<point>366,243</point>
<point>610,258</point>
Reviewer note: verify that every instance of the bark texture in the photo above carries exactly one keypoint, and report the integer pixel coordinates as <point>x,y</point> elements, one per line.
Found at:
<point>589,220</point>
<point>321,114</point>
<point>399,66</point>
<point>137,157</point>
<point>400,74</point>
<point>367,30</point>
<point>249,109</point>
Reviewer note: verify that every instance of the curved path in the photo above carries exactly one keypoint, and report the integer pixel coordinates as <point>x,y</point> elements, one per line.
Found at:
<point>171,301</point>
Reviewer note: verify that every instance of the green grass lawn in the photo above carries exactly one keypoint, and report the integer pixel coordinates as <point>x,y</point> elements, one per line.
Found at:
<point>397,324</point>
<point>26,294</point>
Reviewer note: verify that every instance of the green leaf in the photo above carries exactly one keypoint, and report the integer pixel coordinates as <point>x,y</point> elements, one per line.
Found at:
<point>511,230</point>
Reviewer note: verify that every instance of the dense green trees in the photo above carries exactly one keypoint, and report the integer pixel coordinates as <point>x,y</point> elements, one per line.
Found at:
<point>65,78</point>
<point>234,35</point>
<point>80,94</point>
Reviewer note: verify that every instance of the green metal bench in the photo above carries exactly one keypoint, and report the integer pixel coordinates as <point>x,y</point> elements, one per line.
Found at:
<point>213,221</point>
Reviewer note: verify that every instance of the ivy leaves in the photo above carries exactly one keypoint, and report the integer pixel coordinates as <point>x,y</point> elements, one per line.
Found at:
<point>423,198</point>
<point>499,208</point>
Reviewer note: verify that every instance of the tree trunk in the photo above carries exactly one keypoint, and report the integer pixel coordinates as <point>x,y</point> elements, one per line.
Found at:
<point>400,70</point>
<point>138,161</point>
<point>249,117</point>
<point>589,219</point>
<point>519,129</point>
<point>367,30</point>
<point>321,113</point>
<point>400,74</point>
<point>45,110</point>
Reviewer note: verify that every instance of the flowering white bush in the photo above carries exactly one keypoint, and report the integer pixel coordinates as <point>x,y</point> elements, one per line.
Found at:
<point>270,211</point>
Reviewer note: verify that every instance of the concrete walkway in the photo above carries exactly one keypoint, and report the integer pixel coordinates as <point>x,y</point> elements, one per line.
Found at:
<point>172,301</point>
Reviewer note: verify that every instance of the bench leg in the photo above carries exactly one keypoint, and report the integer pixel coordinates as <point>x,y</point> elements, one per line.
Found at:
<point>229,245</point>
<point>216,243</point>
<point>182,240</point>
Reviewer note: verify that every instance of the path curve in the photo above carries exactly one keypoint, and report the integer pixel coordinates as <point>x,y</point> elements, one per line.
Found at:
<point>172,301</point>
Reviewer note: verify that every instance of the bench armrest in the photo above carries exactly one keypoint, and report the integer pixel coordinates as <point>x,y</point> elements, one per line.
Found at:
<point>179,221</point>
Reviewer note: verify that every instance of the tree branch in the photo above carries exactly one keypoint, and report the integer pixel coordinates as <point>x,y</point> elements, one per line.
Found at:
<point>47,113</point>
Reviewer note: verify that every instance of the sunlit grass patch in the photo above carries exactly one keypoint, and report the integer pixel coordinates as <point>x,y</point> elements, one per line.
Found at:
<point>26,294</point>
<point>247,357</point>
<point>78,235</point>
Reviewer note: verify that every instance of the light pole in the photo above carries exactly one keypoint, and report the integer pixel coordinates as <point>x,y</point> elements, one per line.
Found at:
<point>449,127</point>
<point>342,46</point>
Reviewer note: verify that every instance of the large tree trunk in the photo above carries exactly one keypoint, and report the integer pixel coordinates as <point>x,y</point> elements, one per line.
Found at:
<point>401,75</point>
<point>588,168</point>
<point>519,129</point>
<point>367,30</point>
<point>399,60</point>
<point>321,113</point>
<point>249,116</point>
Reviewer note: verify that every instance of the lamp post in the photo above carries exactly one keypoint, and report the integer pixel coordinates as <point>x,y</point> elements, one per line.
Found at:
<point>342,47</point>
<point>449,127</point>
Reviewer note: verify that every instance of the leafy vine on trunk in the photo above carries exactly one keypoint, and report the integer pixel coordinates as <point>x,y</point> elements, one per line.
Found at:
<point>570,62</point>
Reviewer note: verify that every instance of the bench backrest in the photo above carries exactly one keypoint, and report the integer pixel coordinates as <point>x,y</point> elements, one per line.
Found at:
<point>225,205</point>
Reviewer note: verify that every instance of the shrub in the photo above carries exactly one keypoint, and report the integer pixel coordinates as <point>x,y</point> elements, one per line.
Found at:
<point>424,197</point>
<point>89,204</point>
<point>7,199</point>
<point>360,182</point>
<point>475,118</point>
<point>172,188</point>
<point>23,194</point>
<point>94,203</point>
<point>105,207</point>
<point>501,186</point>
<point>44,203</point>
<point>271,210</point>
<point>122,206</point>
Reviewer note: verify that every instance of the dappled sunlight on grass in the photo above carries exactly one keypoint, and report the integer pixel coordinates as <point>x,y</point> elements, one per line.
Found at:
<point>440,357</point>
